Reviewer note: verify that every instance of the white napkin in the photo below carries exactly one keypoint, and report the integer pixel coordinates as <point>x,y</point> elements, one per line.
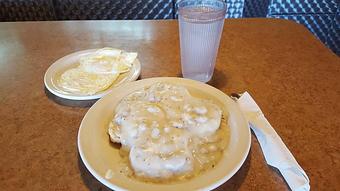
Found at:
<point>275,151</point>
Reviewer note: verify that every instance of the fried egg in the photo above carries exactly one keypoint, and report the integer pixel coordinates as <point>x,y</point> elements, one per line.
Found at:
<point>108,61</point>
<point>96,71</point>
<point>164,128</point>
<point>78,81</point>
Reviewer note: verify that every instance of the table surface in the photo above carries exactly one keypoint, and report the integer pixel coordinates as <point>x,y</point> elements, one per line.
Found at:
<point>293,77</point>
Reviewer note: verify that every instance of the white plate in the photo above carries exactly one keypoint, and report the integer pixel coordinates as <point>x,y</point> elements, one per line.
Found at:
<point>71,61</point>
<point>99,155</point>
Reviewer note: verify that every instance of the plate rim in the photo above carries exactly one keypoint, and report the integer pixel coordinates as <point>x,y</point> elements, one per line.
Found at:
<point>110,185</point>
<point>71,96</point>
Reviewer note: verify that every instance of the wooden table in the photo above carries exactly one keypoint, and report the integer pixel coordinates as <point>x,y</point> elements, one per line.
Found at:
<point>292,76</point>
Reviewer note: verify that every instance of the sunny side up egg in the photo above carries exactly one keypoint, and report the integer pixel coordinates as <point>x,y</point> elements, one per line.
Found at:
<point>96,71</point>
<point>168,133</point>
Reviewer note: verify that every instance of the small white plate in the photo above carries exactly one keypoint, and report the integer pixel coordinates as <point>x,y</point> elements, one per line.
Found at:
<point>99,155</point>
<point>71,61</point>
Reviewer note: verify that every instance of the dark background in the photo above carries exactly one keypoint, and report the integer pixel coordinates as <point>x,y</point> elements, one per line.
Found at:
<point>321,17</point>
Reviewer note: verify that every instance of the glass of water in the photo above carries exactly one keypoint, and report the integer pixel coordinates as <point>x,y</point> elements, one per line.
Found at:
<point>200,28</point>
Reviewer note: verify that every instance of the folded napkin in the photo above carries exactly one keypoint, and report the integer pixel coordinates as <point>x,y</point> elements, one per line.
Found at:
<point>275,151</point>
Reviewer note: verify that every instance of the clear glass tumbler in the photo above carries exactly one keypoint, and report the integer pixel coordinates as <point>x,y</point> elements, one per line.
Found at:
<point>200,28</point>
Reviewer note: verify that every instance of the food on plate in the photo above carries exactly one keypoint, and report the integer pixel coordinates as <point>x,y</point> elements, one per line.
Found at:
<point>97,71</point>
<point>108,61</point>
<point>168,134</point>
<point>78,81</point>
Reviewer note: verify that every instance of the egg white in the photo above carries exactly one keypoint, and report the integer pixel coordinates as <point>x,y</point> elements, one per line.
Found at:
<point>78,81</point>
<point>97,71</point>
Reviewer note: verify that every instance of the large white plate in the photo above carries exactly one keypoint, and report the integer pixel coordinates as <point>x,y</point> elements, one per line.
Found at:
<point>71,61</point>
<point>99,155</point>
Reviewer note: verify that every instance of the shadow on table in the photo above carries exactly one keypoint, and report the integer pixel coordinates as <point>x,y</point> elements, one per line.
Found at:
<point>90,181</point>
<point>68,102</point>
<point>232,184</point>
<point>218,80</point>
<point>277,171</point>
<point>237,180</point>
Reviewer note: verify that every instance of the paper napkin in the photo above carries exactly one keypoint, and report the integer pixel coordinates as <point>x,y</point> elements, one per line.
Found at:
<point>275,151</point>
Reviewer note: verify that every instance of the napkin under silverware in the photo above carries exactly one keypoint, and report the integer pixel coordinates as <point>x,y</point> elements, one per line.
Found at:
<point>275,151</point>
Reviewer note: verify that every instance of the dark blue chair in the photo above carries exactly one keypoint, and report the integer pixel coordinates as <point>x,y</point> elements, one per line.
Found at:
<point>113,9</point>
<point>30,10</point>
<point>321,17</point>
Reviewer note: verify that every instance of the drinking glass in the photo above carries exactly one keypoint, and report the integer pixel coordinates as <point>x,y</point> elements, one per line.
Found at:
<point>200,28</point>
